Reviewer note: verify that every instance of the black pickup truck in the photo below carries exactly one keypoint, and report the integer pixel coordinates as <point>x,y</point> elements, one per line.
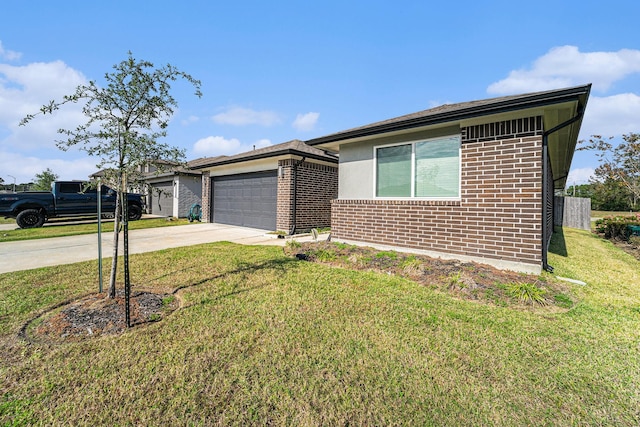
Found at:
<point>67,198</point>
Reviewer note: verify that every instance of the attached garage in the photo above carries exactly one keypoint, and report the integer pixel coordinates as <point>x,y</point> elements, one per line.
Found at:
<point>247,200</point>
<point>162,198</point>
<point>286,187</point>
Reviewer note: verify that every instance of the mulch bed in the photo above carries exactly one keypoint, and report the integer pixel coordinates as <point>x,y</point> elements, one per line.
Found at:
<point>97,315</point>
<point>631,249</point>
<point>465,280</point>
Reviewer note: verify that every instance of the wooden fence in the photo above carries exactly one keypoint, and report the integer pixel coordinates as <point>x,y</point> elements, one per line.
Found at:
<point>573,212</point>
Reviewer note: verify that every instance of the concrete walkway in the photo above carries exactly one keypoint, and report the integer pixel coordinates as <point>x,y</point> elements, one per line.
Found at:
<point>28,254</point>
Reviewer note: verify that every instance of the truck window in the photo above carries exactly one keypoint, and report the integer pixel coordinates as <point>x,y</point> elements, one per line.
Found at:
<point>70,187</point>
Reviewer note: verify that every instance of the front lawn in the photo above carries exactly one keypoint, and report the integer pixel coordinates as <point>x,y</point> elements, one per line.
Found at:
<point>262,338</point>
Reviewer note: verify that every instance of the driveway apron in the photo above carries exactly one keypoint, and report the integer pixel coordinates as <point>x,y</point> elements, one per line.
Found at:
<point>28,254</point>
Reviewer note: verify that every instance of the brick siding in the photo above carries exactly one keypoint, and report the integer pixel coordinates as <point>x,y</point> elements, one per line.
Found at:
<point>498,216</point>
<point>317,185</point>
<point>206,196</point>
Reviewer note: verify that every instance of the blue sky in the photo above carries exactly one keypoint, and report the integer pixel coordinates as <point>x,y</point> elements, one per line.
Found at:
<point>281,70</point>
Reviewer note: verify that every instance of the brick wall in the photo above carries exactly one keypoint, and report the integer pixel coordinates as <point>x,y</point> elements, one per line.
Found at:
<point>206,196</point>
<point>499,214</point>
<point>317,185</point>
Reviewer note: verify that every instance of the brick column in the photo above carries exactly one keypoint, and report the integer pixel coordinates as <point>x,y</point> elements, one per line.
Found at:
<point>206,194</point>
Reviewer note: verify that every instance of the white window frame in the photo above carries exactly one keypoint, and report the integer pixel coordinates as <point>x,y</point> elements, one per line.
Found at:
<point>413,169</point>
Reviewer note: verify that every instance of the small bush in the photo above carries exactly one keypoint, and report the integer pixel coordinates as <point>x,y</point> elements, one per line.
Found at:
<point>527,293</point>
<point>293,244</point>
<point>324,255</point>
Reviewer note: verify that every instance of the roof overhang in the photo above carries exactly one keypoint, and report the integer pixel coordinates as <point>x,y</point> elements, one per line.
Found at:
<point>259,156</point>
<point>555,106</point>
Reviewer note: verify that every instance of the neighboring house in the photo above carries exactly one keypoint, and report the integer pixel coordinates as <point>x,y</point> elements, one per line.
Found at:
<point>286,187</point>
<point>473,181</point>
<point>170,191</point>
<point>174,191</point>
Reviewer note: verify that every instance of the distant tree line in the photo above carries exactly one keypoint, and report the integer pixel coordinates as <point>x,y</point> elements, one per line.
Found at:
<point>615,185</point>
<point>41,182</point>
<point>23,186</point>
<point>606,196</point>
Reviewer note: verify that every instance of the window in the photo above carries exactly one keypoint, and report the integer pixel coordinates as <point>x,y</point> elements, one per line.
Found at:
<point>424,169</point>
<point>70,187</point>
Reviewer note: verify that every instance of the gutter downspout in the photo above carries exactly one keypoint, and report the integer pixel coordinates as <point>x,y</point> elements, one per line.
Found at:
<point>295,193</point>
<point>545,184</point>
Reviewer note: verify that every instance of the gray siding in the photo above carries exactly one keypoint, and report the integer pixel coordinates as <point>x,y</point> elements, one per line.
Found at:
<point>356,161</point>
<point>189,193</point>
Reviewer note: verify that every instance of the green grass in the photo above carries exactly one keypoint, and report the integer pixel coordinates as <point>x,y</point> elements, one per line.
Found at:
<point>61,229</point>
<point>265,339</point>
<point>602,214</point>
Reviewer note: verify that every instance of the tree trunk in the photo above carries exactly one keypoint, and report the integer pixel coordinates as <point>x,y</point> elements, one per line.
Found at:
<point>114,260</point>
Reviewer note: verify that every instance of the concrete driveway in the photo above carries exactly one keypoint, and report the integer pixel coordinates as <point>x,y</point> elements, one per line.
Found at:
<point>28,254</point>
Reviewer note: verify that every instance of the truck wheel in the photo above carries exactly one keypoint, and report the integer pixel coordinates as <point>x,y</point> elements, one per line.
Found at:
<point>30,218</point>
<point>135,213</point>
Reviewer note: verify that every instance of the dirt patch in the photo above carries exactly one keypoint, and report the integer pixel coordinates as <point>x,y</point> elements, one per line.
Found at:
<point>465,280</point>
<point>97,315</point>
<point>628,247</point>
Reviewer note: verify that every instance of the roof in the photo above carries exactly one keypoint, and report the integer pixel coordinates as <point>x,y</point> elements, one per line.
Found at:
<point>169,169</point>
<point>459,111</point>
<point>556,107</point>
<point>294,147</point>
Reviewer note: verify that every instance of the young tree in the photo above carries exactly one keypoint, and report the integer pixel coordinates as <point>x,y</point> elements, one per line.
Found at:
<point>125,119</point>
<point>618,163</point>
<point>44,179</point>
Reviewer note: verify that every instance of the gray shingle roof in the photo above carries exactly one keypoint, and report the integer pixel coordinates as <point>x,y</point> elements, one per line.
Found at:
<point>295,147</point>
<point>451,112</point>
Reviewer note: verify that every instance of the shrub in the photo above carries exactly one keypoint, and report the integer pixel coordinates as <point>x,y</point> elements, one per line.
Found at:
<point>293,244</point>
<point>616,227</point>
<point>323,255</point>
<point>527,292</point>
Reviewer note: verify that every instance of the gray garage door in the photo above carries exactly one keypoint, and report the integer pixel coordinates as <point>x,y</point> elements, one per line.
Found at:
<point>162,202</point>
<point>247,200</point>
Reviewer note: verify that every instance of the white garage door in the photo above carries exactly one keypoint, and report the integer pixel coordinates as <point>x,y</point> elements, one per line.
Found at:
<point>162,198</point>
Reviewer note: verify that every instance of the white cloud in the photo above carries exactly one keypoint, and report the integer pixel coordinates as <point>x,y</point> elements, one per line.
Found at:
<point>9,55</point>
<point>25,168</point>
<point>238,116</point>
<point>611,115</point>
<point>24,89</point>
<point>216,145</point>
<point>305,122</point>
<point>189,120</point>
<point>261,143</point>
<point>580,176</point>
<point>566,66</point>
